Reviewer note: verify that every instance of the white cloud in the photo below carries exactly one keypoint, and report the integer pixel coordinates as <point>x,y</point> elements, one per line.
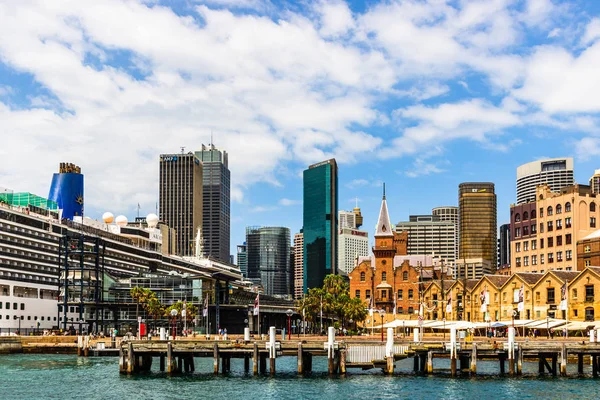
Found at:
<point>587,147</point>
<point>356,183</point>
<point>261,209</point>
<point>288,202</point>
<point>592,32</point>
<point>336,18</point>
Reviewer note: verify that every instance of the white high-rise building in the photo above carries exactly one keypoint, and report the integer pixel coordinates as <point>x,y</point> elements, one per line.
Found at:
<point>556,172</point>
<point>352,243</point>
<point>429,235</point>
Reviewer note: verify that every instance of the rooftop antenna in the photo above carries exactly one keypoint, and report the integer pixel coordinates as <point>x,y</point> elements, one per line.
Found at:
<point>383,190</point>
<point>182,149</point>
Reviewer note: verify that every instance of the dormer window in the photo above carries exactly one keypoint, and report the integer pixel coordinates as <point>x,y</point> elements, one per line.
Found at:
<point>383,228</point>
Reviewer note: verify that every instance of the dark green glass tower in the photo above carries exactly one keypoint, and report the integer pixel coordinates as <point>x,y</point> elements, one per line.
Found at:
<point>320,222</point>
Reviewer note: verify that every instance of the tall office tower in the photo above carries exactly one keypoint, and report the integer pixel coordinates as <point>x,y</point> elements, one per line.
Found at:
<point>595,182</point>
<point>298,265</point>
<point>268,250</point>
<point>477,225</point>
<point>346,219</point>
<point>449,213</point>
<point>216,184</point>
<point>242,259</point>
<point>180,197</point>
<point>555,172</point>
<point>429,235</point>
<point>504,246</point>
<point>352,243</point>
<point>66,190</point>
<point>320,222</point>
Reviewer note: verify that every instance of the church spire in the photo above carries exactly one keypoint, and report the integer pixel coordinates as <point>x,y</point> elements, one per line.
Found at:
<point>384,227</point>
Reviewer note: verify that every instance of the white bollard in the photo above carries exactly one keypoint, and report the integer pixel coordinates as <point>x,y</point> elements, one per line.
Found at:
<point>163,334</point>
<point>247,334</point>
<point>416,335</point>
<point>592,336</point>
<point>389,347</point>
<point>511,334</point>
<point>511,343</point>
<point>272,342</point>
<point>452,342</point>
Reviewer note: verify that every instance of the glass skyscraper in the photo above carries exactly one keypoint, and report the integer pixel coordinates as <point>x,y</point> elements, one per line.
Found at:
<point>216,214</point>
<point>268,258</point>
<point>320,222</point>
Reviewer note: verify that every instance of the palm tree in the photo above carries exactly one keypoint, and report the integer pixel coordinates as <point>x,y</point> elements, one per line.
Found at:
<point>137,294</point>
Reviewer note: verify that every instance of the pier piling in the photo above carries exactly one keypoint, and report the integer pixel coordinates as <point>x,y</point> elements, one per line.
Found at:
<point>563,360</point>
<point>255,359</point>
<point>216,359</point>
<point>474,359</point>
<point>300,359</point>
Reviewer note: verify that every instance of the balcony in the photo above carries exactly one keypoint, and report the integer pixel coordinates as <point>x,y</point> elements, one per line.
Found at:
<point>379,300</point>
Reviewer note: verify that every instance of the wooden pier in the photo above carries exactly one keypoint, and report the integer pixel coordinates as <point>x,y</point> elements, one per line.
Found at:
<point>177,356</point>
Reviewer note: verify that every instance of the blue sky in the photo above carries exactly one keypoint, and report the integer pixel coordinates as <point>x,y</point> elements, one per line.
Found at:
<point>420,94</point>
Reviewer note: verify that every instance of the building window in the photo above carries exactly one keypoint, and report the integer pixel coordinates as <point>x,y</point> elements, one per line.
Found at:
<point>574,294</point>
<point>525,216</point>
<point>533,244</point>
<point>384,294</point>
<point>559,240</point>
<point>568,238</point>
<point>525,230</point>
<point>550,257</point>
<point>411,310</point>
<point>410,294</point>
<point>357,294</point>
<point>541,227</point>
<point>383,276</point>
<point>533,229</point>
<point>405,276</point>
<point>517,247</point>
<point>532,214</point>
<point>541,258</point>
<point>568,222</point>
<point>549,211</point>
<point>399,294</point>
<point>587,248</point>
<point>592,207</point>
<point>589,314</point>
<point>517,217</point>
<point>550,241</point>
<point>541,243</point>
<point>541,212</point>
<point>526,261</point>
<point>567,207</point>
<point>363,277</point>
<point>559,224</point>
<point>534,260</point>
<point>587,263</point>
<point>549,226</point>
<point>568,255</point>
<point>559,256</point>
<point>517,232</point>
<point>558,209</point>
<point>589,292</point>
<point>367,294</point>
<point>518,260</point>
<point>400,310</point>
<point>525,245</point>
<point>592,221</point>
<point>550,295</point>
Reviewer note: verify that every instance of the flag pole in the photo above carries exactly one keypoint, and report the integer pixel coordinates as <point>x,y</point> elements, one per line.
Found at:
<point>567,308</point>
<point>207,334</point>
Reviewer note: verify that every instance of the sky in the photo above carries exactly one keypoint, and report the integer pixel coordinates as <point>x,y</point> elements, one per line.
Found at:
<point>419,94</point>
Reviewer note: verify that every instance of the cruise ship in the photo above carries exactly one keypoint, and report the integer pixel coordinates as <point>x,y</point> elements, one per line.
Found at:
<point>41,285</point>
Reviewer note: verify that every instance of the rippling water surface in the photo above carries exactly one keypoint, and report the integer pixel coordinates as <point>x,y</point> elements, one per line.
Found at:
<point>70,377</point>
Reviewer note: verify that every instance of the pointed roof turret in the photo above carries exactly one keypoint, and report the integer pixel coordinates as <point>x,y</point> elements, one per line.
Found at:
<point>384,227</point>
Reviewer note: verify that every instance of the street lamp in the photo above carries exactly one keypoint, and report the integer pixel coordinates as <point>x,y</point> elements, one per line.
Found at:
<point>289,314</point>
<point>382,314</point>
<point>174,315</point>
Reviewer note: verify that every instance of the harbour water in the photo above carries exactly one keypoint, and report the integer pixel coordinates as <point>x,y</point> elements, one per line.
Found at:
<point>70,377</point>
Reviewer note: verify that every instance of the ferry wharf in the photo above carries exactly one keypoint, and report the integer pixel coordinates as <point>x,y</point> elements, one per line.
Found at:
<point>177,356</point>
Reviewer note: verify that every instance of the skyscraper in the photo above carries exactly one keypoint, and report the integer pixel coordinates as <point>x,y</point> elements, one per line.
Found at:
<point>216,214</point>
<point>504,246</point>
<point>242,259</point>
<point>320,222</point>
<point>556,172</point>
<point>268,254</point>
<point>298,265</point>
<point>429,235</point>
<point>477,223</point>
<point>180,197</point>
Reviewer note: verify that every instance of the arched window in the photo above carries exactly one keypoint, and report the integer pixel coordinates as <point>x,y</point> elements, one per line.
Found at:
<point>567,207</point>
<point>383,276</point>
<point>558,209</point>
<point>532,214</point>
<point>363,277</point>
<point>517,217</point>
<point>525,216</point>
<point>549,210</point>
<point>592,207</point>
<point>405,276</point>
